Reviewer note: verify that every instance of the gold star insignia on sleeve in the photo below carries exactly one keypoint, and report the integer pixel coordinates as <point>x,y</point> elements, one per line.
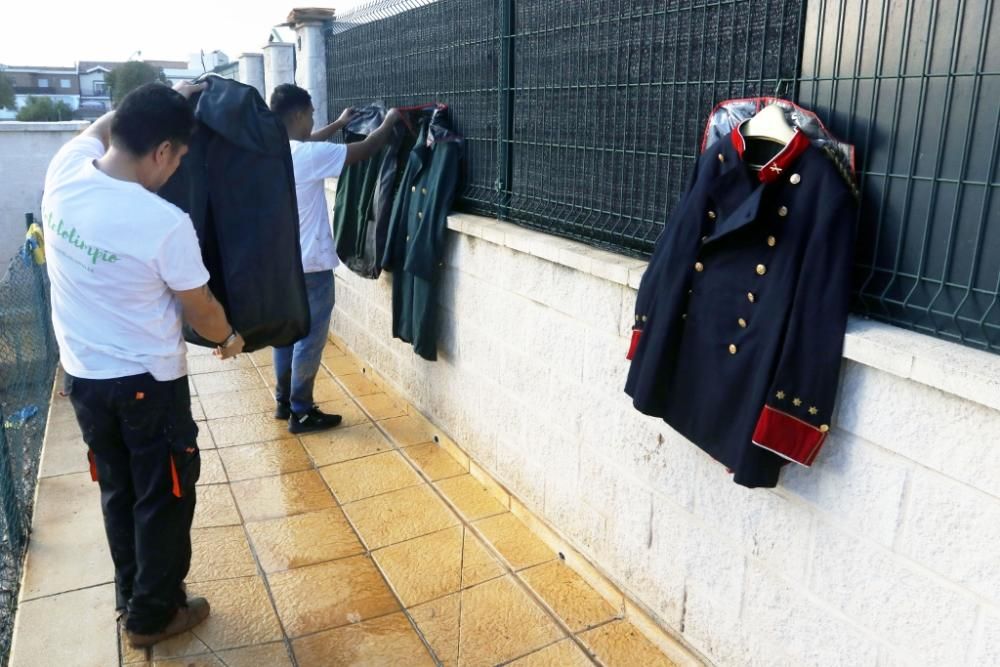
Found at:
<point>796,401</point>
<point>813,410</point>
<point>780,395</point>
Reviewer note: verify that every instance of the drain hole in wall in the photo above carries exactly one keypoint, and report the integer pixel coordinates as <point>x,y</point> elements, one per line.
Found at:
<point>562,556</point>
<point>437,440</point>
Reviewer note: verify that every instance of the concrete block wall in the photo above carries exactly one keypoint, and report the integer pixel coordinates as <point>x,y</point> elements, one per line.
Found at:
<point>886,552</point>
<point>25,152</point>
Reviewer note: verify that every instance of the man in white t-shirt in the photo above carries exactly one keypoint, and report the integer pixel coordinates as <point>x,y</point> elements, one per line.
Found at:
<point>126,270</point>
<point>314,160</point>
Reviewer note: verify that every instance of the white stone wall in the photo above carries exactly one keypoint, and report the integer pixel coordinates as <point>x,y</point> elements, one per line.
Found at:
<point>25,152</point>
<point>886,552</point>
<point>251,71</point>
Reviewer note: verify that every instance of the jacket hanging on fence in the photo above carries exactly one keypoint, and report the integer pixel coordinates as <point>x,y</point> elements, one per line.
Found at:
<point>364,194</point>
<point>237,184</point>
<point>740,316</point>
<point>417,229</point>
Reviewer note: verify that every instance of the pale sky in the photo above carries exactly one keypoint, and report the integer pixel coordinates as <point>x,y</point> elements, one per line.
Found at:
<point>61,32</point>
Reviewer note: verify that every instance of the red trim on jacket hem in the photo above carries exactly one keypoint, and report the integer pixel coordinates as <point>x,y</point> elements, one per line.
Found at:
<point>176,490</point>
<point>636,333</point>
<point>788,436</point>
<point>92,460</point>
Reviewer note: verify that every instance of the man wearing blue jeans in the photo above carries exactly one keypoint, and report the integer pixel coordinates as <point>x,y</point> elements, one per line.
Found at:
<point>314,160</point>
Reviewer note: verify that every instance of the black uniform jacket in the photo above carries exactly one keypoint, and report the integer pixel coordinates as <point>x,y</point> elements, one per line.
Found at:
<point>237,184</point>
<point>364,195</point>
<point>417,234</point>
<point>740,316</point>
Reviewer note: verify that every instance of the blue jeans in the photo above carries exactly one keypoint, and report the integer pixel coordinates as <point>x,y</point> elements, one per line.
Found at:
<point>296,366</point>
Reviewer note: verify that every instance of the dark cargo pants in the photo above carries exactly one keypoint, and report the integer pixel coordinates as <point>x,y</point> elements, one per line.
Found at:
<point>143,451</point>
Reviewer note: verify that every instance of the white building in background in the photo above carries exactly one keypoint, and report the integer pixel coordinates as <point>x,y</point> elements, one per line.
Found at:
<point>60,84</point>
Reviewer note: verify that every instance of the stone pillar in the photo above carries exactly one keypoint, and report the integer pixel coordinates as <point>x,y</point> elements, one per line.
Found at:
<point>311,60</point>
<point>279,66</point>
<point>251,71</point>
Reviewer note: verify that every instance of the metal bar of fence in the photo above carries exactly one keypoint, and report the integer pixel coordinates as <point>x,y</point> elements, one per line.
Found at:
<point>583,119</point>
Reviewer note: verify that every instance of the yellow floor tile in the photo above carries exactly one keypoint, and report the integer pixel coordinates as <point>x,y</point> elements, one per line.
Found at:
<point>241,614</point>
<point>471,498</point>
<point>382,642</point>
<point>572,598</point>
<point>208,660</point>
<point>329,595</point>
<point>345,443</point>
<point>263,459</point>
<point>50,632</point>
<point>434,565</point>
<point>181,646</point>
<point>381,406</point>
<point>346,408</point>
<point>284,495</point>
<point>370,476</point>
<point>238,403</point>
<point>211,469</point>
<point>245,430</point>
<point>215,507</point>
<point>264,357</point>
<point>342,365</point>
<point>561,654</point>
<point>359,384</point>
<point>434,461</point>
<point>266,655</point>
<point>519,546</point>
<point>410,429</point>
<point>500,622</point>
<point>326,389</point>
<point>220,553</point>
<point>440,623</point>
<point>399,516</point>
<point>227,381</point>
<point>304,539</point>
<point>331,351</point>
<point>68,549</point>
<point>619,644</point>
<point>206,363</point>
<point>205,440</point>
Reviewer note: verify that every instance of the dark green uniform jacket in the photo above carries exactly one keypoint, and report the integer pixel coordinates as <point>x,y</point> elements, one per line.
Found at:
<point>416,238</point>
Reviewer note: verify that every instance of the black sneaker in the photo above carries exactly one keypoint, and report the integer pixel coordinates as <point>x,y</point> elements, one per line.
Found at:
<point>283,410</point>
<point>314,420</point>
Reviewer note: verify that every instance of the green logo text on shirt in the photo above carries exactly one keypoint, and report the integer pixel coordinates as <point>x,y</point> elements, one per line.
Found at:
<point>96,254</point>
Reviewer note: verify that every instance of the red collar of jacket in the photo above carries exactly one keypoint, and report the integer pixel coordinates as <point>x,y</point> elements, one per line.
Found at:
<point>771,171</point>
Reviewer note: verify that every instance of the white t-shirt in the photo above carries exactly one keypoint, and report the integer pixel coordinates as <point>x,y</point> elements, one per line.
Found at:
<point>313,162</point>
<point>116,253</point>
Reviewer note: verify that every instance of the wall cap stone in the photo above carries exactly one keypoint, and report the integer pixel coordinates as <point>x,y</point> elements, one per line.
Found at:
<point>55,126</point>
<point>955,369</point>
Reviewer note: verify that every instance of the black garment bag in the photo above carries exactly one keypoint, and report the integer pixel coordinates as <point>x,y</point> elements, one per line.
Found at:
<point>238,186</point>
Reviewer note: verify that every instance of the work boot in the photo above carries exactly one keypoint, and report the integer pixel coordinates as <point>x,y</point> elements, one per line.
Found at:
<point>283,410</point>
<point>187,617</point>
<point>312,421</point>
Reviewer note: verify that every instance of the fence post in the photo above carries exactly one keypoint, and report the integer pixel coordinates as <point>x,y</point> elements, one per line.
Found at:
<point>505,126</point>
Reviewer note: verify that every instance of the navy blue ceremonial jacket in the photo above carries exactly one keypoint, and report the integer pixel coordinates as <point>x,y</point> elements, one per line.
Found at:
<point>740,316</point>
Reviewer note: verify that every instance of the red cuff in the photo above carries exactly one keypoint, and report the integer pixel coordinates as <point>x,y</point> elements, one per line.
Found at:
<point>634,344</point>
<point>788,437</point>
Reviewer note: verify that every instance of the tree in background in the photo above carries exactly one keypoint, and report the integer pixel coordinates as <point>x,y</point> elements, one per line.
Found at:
<point>6,93</point>
<point>128,76</point>
<point>43,109</point>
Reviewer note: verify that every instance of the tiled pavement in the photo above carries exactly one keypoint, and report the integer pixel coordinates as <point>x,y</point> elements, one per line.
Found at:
<point>370,545</point>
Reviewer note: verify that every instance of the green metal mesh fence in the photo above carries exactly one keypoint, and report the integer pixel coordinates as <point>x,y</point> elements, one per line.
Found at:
<point>28,358</point>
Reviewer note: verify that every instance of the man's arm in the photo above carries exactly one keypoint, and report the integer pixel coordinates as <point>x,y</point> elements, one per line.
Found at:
<point>101,128</point>
<point>205,315</point>
<point>333,128</point>
<point>362,150</point>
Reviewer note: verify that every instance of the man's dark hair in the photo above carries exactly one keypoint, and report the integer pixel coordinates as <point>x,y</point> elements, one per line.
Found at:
<point>288,99</point>
<point>148,116</point>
